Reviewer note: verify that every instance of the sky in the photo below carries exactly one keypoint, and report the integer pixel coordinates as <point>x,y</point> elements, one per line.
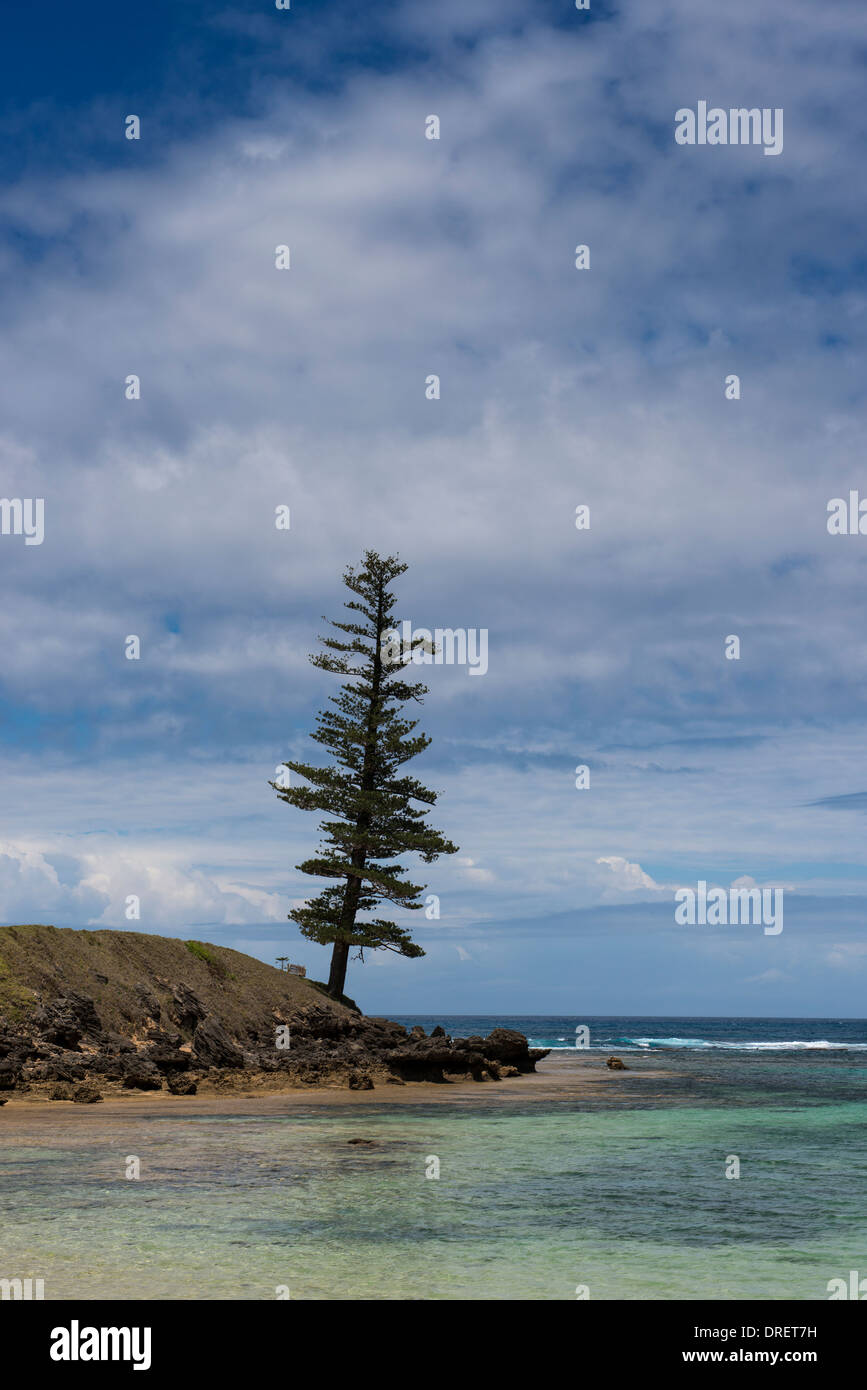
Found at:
<point>602,387</point>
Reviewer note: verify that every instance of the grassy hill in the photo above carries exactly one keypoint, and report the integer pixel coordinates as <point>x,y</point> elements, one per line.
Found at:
<point>124,972</point>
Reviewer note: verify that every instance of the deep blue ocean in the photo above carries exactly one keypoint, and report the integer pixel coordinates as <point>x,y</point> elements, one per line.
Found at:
<point>630,1034</point>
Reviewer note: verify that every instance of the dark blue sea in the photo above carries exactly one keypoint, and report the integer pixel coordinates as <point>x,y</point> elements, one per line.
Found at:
<point>627,1033</point>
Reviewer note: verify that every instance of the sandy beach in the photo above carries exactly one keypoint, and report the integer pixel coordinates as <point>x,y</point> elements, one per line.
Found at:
<point>565,1077</point>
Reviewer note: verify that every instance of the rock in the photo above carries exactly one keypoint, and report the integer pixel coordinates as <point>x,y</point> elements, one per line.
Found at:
<point>359,1081</point>
<point>316,1022</point>
<point>213,1047</point>
<point>115,1042</point>
<point>61,1092</point>
<point>382,1028</point>
<point>368,1143</point>
<point>86,1095</point>
<point>9,1074</point>
<point>506,1045</point>
<point>615,1064</point>
<point>58,1068</point>
<point>64,1032</point>
<point>422,1061</point>
<point>112,1068</point>
<point>163,1039</point>
<point>535,1054</point>
<point>68,1019</point>
<point>438,1032</point>
<point>188,1009</point>
<point>142,1076</point>
<point>84,1011</point>
<point>167,1059</point>
<point>147,1001</point>
<point>179,1085</point>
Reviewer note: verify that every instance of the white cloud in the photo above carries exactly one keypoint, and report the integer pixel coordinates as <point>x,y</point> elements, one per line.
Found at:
<point>631,878</point>
<point>98,886</point>
<point>848,955</point>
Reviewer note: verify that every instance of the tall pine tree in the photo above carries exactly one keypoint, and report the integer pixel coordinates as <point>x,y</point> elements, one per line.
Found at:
<point>374,815</point>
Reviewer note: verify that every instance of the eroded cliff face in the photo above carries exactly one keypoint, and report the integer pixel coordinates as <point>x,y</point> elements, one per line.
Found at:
<point>87,1014</point>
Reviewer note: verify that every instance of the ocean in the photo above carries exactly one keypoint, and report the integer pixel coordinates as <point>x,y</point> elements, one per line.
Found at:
<point>680,1034</point>
<point>609,1197</point>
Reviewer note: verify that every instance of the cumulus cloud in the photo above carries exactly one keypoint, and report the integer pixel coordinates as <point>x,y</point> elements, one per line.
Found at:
<point>630,878</point>
<point>96,889</point>
<point>31,889</point>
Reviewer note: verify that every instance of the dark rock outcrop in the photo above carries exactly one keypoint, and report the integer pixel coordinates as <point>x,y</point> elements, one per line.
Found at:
<point>9,1074</point>
<point>86,1095</point>
<point>179,1085</point>
<point>145,1030</point>
<point>168,1059</point>
<point>142,1075</point>
<point>187,1008</point>
<point>213,1047</point>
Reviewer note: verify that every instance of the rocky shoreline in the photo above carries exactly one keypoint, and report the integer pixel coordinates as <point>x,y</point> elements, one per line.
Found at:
<point>62,1051</point>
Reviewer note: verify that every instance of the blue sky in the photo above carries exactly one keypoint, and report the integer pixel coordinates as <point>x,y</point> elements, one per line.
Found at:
<point>559,387</point>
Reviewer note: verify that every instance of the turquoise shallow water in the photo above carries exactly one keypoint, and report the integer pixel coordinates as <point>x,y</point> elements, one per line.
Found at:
<point>533,1199</point>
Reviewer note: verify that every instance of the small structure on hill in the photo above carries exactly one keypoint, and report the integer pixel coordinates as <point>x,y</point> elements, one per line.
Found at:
<point>285,964</point>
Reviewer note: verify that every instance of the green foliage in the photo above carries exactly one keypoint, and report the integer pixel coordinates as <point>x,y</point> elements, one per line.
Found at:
<point>201,952</point>
<point>374,813</point>
<point>14,998</point>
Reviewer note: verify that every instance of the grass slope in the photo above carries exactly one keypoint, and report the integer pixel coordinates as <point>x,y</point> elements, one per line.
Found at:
<point>39,963</point>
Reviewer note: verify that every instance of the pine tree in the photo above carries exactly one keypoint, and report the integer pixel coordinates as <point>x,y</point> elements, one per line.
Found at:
<point>373,814</point>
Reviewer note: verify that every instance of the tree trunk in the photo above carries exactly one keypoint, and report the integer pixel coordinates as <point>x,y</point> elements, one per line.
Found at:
<point>352,892</point>
<point>337,978</point>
